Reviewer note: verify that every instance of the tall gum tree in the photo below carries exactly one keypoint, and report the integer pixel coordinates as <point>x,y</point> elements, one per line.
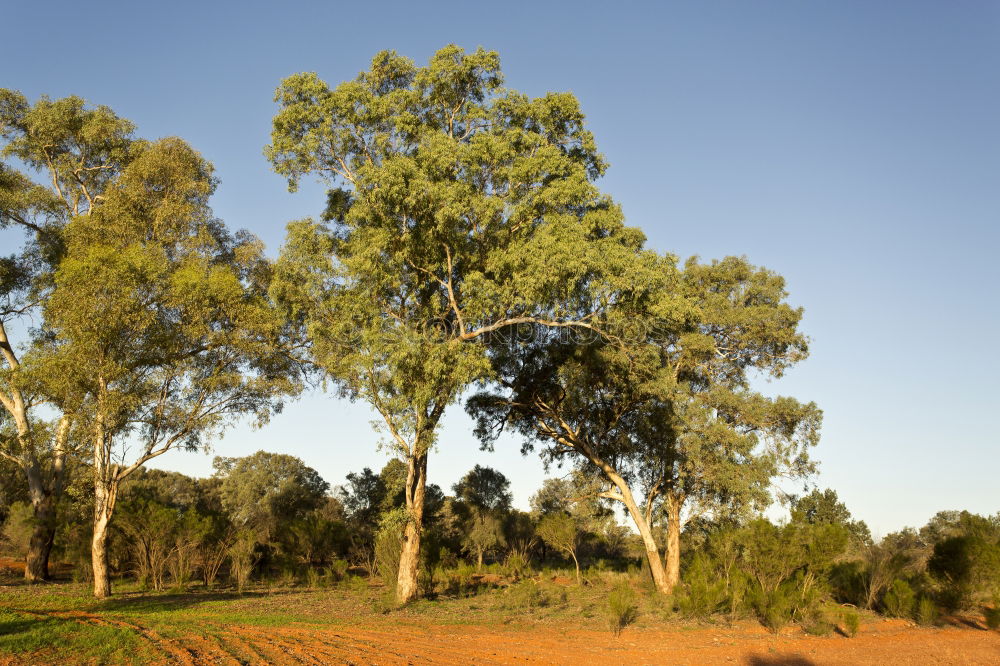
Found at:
<point>457,210</point>
<point>78,151</point>
<point>664,412</point>
<point>159,323</point>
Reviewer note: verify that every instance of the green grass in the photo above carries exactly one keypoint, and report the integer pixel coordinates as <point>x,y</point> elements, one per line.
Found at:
<point>69,640</point>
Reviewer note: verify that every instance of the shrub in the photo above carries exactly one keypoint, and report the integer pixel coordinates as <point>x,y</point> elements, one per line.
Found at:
<point>389,546</point>
<point>621,607</point>
<point>993,615</point>
<point>774,609</point>
<point>313,578</point>
<point>900,599</point>
<point>516,564</point>
<point>852,622</point>
<point>337,571</point>
<point>704,592</point>
<point>927,612</point>
<point>386,602</point>
<point>356,584</point>
<point>527,594</point>
<point>817,623</point>
<point>242,558</point>
<point>18,527</point>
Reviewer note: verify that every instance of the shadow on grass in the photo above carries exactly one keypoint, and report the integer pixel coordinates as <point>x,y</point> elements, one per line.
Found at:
<point>9,629</point>
<point>140,602</point>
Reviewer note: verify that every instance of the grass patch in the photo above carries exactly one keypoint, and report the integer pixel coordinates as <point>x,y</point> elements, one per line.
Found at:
<point>30,636</point>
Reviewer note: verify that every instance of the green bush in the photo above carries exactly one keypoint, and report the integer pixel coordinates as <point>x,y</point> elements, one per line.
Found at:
<point>703,592</point>
<point>774,609</point>
<point>389,546</point>
<point>900,600</point>
<point>927,612</point>
<point>817,623</point>
<point>993,615</point>
<point>621,607</point>
<point>337,571</point>
<point>313,578</point>
<point>527,594</point>
<point>356,584</point>
<point>852,622</point>
<point>516,564</point>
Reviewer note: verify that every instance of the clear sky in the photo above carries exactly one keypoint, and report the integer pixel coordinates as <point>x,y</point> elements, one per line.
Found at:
<point>852,146</point>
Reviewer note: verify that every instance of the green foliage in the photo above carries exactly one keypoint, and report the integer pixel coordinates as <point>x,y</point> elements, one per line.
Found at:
<point>389,546</point>
<point>265,490</point>
<point>485,532</point>
<point>337,570</point>
<point>18,527</point>
<point>527,594</point>
<point>621,607</point>
<point>852,622</point>
<point>775,607</point>
<point>992,614</point>
<point>817,622</point>
<point>900,600</point>
<point>484,489</point>
<point>703,592</point>
<point>242,558</point>
<point>457,209</point>
<point>927,612</point>
<point>824,508</point>
<point>967,564</point>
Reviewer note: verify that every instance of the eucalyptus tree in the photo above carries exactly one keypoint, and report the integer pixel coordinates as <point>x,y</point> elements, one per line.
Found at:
<point>78,151</point>
<point>664,413</point>
<point>267,490</point>
<point>159,324</point>
<point>457,210</point>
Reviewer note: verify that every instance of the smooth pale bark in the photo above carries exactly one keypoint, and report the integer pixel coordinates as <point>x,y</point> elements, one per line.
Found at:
<point>648,542</point>
<point>579,580</point>
<point>104,502</point>
<point>674,503</point>
<point>642,522</point>
<point>409,560</point>
<point>99,559</point>
<point>106,481</point>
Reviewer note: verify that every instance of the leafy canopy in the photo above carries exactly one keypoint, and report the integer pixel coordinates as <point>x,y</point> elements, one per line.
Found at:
<point>457,208</point>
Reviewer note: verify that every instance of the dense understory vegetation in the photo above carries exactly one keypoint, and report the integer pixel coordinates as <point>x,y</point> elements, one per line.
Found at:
<point>269,520</point>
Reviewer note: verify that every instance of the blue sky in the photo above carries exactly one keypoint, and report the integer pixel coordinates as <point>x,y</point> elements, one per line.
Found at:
<point>853,147</point>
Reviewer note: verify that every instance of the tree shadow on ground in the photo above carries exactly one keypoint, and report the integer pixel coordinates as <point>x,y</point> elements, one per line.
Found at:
<point>779,660</point>
<point>141,602</point>
<point>965,621</point>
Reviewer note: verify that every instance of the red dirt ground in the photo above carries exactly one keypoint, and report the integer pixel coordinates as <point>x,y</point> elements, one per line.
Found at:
<point>887,643</point>
<point>884,642</point>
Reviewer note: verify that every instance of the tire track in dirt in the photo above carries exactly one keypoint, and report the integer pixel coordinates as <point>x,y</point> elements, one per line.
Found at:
<point>241,650</point>
<point>457,647</point>
<point>276,643</point>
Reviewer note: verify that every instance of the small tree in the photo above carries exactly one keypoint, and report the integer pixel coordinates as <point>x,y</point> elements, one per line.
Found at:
<point>485,532</point>
<point>243,557</point>
<point>560,531</point>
